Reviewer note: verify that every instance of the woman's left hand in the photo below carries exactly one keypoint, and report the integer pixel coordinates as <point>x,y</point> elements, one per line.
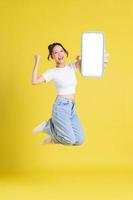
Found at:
<point>106,56</point>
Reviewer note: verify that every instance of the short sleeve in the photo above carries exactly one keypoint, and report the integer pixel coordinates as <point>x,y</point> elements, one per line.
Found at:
<point>48,75</point>
<point>73,66</point>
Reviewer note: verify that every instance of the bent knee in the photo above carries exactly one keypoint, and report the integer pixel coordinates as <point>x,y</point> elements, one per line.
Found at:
<point>80,141</point>
<point>69,141</point>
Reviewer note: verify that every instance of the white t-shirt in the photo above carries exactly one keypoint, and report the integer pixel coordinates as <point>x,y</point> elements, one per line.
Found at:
<point>64,78</point>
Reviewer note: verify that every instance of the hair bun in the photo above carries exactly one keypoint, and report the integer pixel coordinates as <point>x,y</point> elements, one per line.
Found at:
<point>50,46</point>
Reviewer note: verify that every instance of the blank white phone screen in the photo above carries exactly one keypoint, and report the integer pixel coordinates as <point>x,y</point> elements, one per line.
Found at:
<point>92,54</point>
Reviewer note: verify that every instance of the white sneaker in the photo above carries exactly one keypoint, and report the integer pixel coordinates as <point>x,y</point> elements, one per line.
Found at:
<point>47,140</point>
<point>40,127</point>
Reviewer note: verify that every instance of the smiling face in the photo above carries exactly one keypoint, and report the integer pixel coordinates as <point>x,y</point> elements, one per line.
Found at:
<point>58,54</point>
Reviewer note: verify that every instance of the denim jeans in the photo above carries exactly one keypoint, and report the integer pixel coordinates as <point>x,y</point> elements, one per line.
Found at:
<point>64,126</point>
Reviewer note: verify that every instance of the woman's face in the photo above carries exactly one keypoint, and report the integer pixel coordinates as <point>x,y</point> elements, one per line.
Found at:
<point>58,54</point>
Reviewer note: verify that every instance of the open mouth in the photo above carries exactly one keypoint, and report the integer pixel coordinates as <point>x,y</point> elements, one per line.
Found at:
<point>61,58</point>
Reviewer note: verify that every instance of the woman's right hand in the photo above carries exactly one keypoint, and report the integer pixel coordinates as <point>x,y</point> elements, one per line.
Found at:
<point>37,58</point>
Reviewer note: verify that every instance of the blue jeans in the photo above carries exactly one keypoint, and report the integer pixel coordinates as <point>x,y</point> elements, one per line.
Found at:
<point>64,126</point>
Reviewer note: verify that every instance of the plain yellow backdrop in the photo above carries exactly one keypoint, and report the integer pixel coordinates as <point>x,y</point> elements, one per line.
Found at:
<point>104,105</point>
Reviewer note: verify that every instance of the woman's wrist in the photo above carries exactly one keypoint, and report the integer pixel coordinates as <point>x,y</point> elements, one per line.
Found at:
<point>36,64</point>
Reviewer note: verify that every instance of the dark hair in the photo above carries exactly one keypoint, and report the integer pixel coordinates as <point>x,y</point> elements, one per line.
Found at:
<point>51,46</point>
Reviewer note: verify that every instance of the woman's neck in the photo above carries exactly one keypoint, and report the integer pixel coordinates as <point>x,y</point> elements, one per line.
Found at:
<point>60,64</point>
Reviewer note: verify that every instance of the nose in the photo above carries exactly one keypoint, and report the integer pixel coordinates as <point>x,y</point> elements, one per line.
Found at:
<point>59,53</point>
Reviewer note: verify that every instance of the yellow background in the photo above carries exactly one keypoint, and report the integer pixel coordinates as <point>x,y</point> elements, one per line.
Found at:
<point>104,105</point>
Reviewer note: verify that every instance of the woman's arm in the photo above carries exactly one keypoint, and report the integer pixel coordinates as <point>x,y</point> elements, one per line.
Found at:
<point>35,78</point>
<point>78,62</point>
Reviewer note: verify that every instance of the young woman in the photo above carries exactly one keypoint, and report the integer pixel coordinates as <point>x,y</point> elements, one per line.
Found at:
<point>64,126</point>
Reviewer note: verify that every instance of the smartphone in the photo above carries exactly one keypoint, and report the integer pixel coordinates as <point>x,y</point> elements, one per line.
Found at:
<point>92,54</point>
